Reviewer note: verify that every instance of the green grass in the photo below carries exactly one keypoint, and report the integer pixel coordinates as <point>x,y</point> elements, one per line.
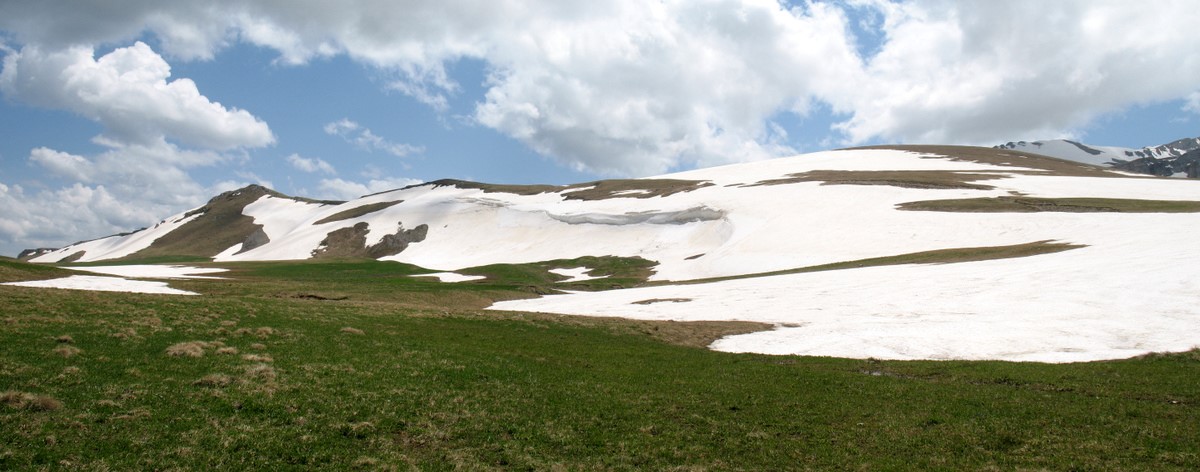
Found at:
<point>392,379</point>
<point>1062,205</point>
<point>12,270</point>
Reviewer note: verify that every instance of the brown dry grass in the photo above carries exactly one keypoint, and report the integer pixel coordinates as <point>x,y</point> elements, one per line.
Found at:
<point>67,350</point>
<point>598,190</point>
<point>257,358</point>
<point>924,179</point>
<point>1005,158</point>
<point>213,381</point>
<point>29,401</point>
<point>187,349</point>
<point>350,330</point>
<point>1060,205</point>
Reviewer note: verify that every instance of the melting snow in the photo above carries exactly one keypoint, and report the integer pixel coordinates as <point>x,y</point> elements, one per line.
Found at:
<point>153,271</point>
<point>104,284</point>
<point>577,274</point>
<point>452,277</point>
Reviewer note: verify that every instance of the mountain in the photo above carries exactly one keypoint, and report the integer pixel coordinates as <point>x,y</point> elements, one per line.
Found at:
<point>1179,158</point>
<point>898,252</point>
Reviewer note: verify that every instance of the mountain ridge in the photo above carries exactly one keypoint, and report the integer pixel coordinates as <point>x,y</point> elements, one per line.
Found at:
<point>1178,158</point>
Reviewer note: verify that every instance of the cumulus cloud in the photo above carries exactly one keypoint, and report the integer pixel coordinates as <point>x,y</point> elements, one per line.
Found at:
<point>978,72</point>
<point>366,140</point>
<point>127,91</point>
<point>340,189</point>
<point>310,165</point>
<point>142,172</point>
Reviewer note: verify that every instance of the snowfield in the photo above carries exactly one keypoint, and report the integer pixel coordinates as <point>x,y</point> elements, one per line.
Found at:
<point>104,284</point>
<point>1132,288</point>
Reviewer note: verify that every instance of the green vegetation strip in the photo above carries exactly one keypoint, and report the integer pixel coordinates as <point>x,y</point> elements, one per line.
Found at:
<point>235,380</point>
<point>937,256</point>
<point>1067,205</point>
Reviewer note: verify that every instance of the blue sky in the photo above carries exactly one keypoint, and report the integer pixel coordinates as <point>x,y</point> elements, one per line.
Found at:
<point>118,115</point>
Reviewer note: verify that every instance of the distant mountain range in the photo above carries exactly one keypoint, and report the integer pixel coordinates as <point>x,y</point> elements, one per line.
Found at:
<point>1179,158</point>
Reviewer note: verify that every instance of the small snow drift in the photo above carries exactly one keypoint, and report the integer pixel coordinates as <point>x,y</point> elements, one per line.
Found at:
<point>104,284</point>
<point>451,277</point>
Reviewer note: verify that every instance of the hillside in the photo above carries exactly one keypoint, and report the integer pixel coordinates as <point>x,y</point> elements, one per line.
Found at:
<point>903,252</point>
<point>1179,158</point>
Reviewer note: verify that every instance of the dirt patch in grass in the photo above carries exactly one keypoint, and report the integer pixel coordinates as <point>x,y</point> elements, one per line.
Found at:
<point>356,212</point>
<point>937,256</point>
<point>923,179</point>
<point>1062,205</point>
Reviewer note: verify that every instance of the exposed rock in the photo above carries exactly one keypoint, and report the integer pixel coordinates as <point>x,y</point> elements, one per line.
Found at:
<point>351,242</point>
<point>32,253</point>
<point>256,239</point>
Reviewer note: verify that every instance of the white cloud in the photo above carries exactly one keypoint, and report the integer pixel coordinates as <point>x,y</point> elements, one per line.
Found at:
<point>980,72</point>
<point>364,139</point>
<point>128,93</point>
<point>636,87</point>
<point>310,165</point>
<point>340,189</point>
<point>141,174</point>
<point>1192,103</point>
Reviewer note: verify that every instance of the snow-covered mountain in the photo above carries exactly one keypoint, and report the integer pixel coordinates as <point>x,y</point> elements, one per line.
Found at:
<point>1178,158</point>
<point>1109,272</point>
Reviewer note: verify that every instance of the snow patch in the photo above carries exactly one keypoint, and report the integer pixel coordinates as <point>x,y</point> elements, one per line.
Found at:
<point>154,271</point>
<point>577,274</point>
<point>104,284</point>
<point>451,277</point>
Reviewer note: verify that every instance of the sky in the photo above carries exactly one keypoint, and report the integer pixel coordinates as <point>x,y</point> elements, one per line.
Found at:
<point>117,114</point>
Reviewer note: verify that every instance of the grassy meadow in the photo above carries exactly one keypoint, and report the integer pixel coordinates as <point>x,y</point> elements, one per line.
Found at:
<point>356,365</point>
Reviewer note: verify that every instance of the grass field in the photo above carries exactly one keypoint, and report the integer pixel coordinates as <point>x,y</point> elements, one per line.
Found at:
<point>380,371</point>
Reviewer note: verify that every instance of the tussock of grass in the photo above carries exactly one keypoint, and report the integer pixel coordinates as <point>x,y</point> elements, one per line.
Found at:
<point>29,401</point>
<point>67,350</point>
<point>261,372</point>
<point>1062,205</point>
<point>213,381</point>
<point>227,350</point>
<point>257,358</point>
<point>349,330</point>
<point>64,339</point>
<point>188,349</point>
